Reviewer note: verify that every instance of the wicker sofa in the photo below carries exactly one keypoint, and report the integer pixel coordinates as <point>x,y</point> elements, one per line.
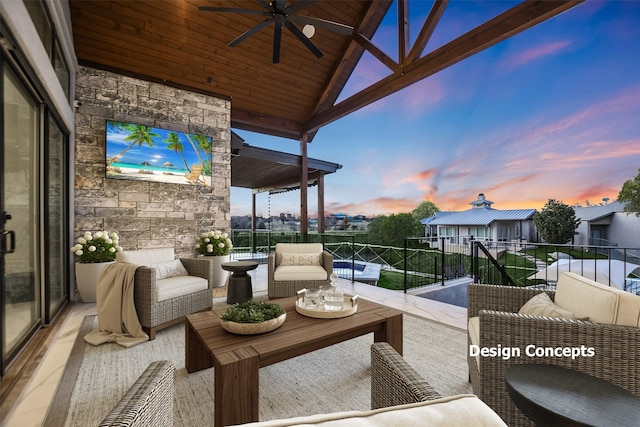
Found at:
<point>399,398</point>
<point>612,332</point>
<point>148,402</point>
<point>295,266</point>
<point>166,289</point>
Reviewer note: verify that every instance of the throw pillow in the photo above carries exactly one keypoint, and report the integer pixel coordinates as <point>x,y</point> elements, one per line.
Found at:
<point>300,259</point>
<point>541,305</point>
<point>169,269</point>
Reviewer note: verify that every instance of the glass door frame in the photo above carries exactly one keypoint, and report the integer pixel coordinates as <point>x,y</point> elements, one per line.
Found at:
<point>46,314</point>
<point>7,355</point>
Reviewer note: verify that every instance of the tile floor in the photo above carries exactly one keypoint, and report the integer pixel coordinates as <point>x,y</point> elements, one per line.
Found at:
<point>31,408</point>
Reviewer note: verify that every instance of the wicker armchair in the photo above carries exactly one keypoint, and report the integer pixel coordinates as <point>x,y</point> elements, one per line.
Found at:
<point>157,304</point>
<point>149,401</point>
<point>394,381</point>
<point>285,277</point>
<point>616,348</point>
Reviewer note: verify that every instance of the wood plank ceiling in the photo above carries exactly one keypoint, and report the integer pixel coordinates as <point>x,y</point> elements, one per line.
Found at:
<point>173,42</point>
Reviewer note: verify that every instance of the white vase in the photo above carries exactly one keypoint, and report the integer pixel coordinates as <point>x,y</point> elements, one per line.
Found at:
<point>87,278</point>
<point>220,276</point>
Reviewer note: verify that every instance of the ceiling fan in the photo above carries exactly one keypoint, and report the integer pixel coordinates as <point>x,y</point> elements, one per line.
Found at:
<point>282,14</point>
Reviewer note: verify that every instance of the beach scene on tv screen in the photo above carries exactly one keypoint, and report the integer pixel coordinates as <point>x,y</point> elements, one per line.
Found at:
<point>145,153</point>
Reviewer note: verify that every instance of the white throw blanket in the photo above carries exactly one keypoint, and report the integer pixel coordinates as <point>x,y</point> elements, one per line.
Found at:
<point>117,318</point>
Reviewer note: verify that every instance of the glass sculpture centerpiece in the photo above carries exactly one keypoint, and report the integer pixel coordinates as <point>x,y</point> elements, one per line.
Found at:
<point>332,297</point>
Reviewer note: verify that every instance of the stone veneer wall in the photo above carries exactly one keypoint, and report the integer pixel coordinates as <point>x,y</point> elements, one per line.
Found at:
<point>148,214</point>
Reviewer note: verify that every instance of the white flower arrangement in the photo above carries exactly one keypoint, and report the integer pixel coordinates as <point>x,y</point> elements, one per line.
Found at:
<point>214,243</point>
<point>100,246</point>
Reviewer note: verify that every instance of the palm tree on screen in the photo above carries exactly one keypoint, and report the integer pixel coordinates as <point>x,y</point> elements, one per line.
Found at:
<point>194,147</point>
<point>204,145</point>
<point>138,135</point>
<point>176,146</point>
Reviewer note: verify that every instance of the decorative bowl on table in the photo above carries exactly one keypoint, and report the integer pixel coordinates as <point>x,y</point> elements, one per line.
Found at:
<point>320,311</point>
<point>252,318</point>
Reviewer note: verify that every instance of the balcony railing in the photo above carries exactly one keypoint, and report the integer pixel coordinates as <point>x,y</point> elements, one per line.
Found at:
<point>425,262</point>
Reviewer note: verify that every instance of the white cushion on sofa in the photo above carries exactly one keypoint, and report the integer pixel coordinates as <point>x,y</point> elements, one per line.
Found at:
<point>541,305</point>
<point>146,256</point>
<point>299,272</point>
<point>296,248</point>
<point>455,411</point>
<point>628,309</point>
<point>301,259</point>
<point>173,287</point>
<point>169,269</point>
<point>588,298</point>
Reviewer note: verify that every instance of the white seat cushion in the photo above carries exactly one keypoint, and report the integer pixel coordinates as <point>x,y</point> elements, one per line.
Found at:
<point>299,272</point>
<point>146,256</point>
<point>174,287</point>
<point>461,410</point>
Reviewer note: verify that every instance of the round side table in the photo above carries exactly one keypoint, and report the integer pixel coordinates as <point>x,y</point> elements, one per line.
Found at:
<point>550,395</point>
<point>239,289</point>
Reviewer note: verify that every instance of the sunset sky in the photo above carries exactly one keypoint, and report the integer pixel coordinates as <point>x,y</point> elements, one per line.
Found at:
<point>553,112</point>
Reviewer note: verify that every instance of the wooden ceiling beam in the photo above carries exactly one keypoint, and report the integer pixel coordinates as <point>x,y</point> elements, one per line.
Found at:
<point>369,22</point>
<point>427,29</point>
<point>375,51</point>
<point>263,123</point>
<point>403,31</point>
<point>515,20</point>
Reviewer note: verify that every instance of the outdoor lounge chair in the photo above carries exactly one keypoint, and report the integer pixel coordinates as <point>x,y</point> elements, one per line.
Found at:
<point>295,266</point>
<point>612,331</point>
<point>166,289</point>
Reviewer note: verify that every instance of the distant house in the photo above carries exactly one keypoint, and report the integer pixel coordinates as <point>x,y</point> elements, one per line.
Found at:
<point>482,222</point>
<point>607,225</point>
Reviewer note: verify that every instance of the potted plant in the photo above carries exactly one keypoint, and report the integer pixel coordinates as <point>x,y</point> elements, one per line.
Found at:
<point>94,251</point>
<point>253,317</point>
<point>217,245</point>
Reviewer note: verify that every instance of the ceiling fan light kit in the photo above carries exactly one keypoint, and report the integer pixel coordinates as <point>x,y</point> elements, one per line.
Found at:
<point>284,15</point>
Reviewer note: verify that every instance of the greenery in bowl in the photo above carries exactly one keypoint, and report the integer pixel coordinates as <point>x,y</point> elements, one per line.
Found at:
<point>252,312</point>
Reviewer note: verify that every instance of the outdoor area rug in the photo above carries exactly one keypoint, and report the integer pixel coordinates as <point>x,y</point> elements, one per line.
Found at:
<point>332,379</point>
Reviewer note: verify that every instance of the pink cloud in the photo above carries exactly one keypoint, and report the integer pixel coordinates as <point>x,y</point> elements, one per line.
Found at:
<point>419,177</point>
<point>377,206</point>
<point>532,54</point>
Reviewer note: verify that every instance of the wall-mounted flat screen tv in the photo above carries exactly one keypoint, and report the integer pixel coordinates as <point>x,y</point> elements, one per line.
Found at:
<point>145,153</point>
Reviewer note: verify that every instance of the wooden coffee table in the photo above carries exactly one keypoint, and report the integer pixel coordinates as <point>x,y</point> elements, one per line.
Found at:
<point>237,358</point>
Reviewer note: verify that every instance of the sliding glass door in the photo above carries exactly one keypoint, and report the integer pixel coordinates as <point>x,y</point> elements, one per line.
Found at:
<point>19,222</point>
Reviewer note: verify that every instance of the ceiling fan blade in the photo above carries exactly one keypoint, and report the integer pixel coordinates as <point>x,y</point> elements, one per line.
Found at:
<point>233,10</point>
<point>329,25</point>
<point>277,36</point>
<point>250,32</point>
<point>304,39</point>
<point>299,5</point>
<point>267,5</point>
